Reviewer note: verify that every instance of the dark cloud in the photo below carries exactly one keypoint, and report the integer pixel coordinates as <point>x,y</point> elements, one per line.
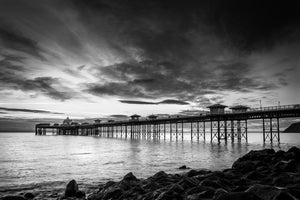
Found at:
<point>28,110</point>
<point>137,102</point>
<point>167,101</point>
<point>13,40</point>
<point>173,101</point>
<point>160,49</point>
<point>149,79</point>
<point>118,116</point>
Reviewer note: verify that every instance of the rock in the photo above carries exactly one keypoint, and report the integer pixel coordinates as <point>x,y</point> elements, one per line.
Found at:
<point>265,192</point>
<point>13,198</point>
<point>286,166</point>
<point>130,177</point>
<point>294,150</point>
<point>204,194</point>
<point>159,175</point>
<point>112,193</point>
<point>283,195</point>
<point>187,182</point>
<point>253,175</point>
<point>238,196</point>
<point>71,189</point>
<point>183,167</point>
<point>151,186</point>
<point>108,184</point>
<point>211,183</point>
<point>219,192</point>
<point>244,166</point>
<point>29,195</point>
<point>193,172</point>
<point>176,188</point>
<point>80,194</point>
<point>281,179</point>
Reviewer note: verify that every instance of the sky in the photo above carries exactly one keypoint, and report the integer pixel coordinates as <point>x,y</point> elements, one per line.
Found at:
<point>115,58</point>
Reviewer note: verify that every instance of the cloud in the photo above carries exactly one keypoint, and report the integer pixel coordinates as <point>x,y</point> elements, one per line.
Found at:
<point>173,101</point>
<point>28,110</point>
<point>137,102</point>
<point>167,101</point>
<point>118,116</point>
<point>13,40</point>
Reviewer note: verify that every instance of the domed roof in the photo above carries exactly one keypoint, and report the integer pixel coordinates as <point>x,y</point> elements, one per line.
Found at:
<point>67,121</point>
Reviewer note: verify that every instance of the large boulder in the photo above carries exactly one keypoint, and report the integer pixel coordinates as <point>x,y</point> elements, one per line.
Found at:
<point>264,192</point>
<point>238,196</point>
<point>71,189</point>
<point>10,197</point>
<point>283,195</point>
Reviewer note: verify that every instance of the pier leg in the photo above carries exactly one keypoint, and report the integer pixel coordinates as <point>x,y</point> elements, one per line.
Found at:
<point>198,132</point>
<point>170,131</point>
<point>246,129</point>
<point>191,130</point>
<point>182,126</point>
<point>225,130</point>
<point>271,131</point>
<point>176,130</point>
<point>204,130</point>
<point>211,131</point>
<point>164,130</point>
<point>232,130</point>
<point>278,130</point>
<point>264,131</point>
<point>219,131</point>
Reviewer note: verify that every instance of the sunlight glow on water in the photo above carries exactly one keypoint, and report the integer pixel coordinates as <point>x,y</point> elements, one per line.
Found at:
<point>47,162</point>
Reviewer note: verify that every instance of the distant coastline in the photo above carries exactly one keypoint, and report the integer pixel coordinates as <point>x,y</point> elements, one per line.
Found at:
<point>293,128</point>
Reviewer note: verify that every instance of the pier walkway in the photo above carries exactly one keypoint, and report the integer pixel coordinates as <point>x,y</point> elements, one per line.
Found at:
<point>218,123</point>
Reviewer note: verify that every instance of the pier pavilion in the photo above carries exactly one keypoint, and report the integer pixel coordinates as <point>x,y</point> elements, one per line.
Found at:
<point>221,124</point>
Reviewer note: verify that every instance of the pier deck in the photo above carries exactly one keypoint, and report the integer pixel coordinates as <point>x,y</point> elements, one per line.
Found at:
<point>222,125</point>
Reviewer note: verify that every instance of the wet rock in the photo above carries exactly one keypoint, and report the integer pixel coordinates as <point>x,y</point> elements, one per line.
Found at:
<point>219,192</point>
<point>130,177</point>
<point>244,166</point>
<point>151,186</point>
<point>283,195</point>
<point>80,194</point>
<point>183,167</point>
<point>238,196</point>
<point>71,189</point>
<point>296,151</point>
<point>112,193</point>
<point>107,185</point>
<point>187,182</point>
<point>10,197</point>
<point>202,195</point>
<point>286,166</point>
<point>29,195</point>
<point>254,175</point>
<point>281,179</point>
<point>159,175</point>
<point>265,192</point>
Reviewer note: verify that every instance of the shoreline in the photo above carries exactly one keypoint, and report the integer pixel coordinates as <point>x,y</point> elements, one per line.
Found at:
<point>259,174</point>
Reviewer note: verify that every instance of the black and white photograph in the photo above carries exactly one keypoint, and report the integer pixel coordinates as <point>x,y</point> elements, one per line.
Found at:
<point>149,100</point>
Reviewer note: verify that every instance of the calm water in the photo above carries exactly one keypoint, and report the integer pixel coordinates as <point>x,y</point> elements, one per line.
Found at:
<point>43,164</point>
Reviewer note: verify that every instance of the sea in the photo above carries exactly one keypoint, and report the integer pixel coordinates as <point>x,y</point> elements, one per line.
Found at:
<point>44,165</point>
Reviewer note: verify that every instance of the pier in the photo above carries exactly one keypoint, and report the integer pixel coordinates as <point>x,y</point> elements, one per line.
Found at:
<point>218,123</point>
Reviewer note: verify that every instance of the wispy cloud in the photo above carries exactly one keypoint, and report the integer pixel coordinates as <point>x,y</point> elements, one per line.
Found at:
<point>167,101</point>
<point>28,110</point>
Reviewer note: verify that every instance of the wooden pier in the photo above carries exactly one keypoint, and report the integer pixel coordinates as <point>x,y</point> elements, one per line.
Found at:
<point>218,123</point>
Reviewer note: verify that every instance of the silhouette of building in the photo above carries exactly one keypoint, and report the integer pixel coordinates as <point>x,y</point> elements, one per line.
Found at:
<point>217,109</point>
<point>135,117</point>
<point>67,121</point>
<point>239,109</point>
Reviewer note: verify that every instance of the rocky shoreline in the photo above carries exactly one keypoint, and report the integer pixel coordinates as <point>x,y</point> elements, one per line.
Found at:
<point>258,175</point>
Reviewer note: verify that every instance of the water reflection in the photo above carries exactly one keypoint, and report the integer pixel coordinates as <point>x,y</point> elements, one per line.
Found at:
<point>27,159</point>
